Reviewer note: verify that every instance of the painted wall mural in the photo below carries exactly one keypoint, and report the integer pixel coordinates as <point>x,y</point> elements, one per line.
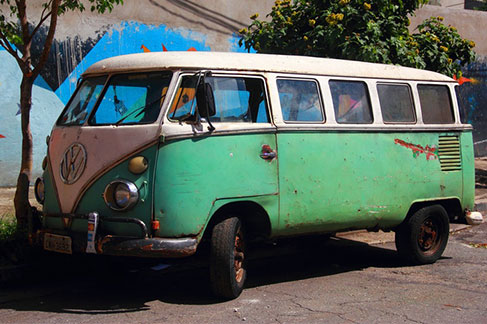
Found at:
<point>68,60</point>
<point>472,95</point>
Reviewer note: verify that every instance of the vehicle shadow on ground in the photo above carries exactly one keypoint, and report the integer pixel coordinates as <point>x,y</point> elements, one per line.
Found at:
<point>101,286</point>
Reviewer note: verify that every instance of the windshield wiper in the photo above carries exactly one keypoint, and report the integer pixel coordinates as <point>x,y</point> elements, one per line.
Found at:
<point>140,110</point>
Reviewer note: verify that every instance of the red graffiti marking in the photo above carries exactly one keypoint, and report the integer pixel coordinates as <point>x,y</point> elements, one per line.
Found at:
<point>1,136</point>
<point>431,152</point>
<point>146,50</point>
<point>164,49</point>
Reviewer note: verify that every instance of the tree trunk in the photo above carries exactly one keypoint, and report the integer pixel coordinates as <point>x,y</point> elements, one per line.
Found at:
<point>23,211</point>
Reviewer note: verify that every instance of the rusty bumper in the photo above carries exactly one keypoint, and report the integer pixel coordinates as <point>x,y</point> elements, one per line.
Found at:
<point>109,244</point>
<point>147,247</point>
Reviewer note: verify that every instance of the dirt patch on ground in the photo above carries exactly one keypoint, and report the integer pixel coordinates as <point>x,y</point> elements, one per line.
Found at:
<point>7,210</point>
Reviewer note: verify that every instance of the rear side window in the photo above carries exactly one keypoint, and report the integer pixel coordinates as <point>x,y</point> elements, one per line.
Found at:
<point>300,100</point>
<point>436,105</point>
<point>351,102</point>
<point>396,103</point>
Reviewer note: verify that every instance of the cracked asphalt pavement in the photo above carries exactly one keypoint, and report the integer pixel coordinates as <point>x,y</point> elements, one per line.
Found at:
<point>338,280</point>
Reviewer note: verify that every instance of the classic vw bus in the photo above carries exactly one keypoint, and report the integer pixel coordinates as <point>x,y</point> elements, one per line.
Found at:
<point>158,152</point>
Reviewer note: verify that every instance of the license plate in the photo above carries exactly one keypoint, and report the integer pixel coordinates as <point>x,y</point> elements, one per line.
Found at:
<point>57,243</point>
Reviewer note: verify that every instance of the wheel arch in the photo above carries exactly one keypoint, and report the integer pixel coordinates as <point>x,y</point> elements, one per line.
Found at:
<point>452,206</point>
<point>253,216</point>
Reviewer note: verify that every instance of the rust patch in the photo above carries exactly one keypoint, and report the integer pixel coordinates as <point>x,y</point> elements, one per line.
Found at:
<point>147,247</point>
<point>431,152</point>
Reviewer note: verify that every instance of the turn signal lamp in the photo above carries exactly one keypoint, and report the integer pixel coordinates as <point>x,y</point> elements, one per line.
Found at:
<point>138,165</point>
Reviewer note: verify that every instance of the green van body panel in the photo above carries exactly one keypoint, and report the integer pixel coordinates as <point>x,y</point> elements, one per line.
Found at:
<point>328,181</point>
<point>193,174</point>
<point>51,204</point>
<point>468,167</point>
<point>333,181</point>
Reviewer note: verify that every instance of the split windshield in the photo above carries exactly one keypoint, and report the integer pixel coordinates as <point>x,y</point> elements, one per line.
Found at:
<point>124,99</point>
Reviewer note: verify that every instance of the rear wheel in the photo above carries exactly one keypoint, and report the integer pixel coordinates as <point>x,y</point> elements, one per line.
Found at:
<point>227,263</point>
<point>423,237</point>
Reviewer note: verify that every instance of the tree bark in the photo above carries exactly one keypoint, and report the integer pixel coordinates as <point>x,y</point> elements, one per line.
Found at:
<point>23,209</point>
<point>21,200</point>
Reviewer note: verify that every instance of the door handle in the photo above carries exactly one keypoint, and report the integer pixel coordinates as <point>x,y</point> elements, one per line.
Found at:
<point>268,153</point>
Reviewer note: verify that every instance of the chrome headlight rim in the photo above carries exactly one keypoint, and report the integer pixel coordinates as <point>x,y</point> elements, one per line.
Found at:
<point>109,195</point>
<point>39,190</point>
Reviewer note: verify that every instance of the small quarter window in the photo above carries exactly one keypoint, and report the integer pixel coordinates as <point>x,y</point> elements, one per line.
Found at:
<point>300,101</point>
<point>351,102</point>
<point>436,105</point>
<point>396,103</point>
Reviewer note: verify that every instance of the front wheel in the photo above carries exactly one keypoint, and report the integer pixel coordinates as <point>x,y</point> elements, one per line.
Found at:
<point>227,262</point>
<point>423,237</point>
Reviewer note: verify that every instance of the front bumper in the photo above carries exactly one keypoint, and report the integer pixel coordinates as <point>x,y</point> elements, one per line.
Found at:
<point>108,244</point>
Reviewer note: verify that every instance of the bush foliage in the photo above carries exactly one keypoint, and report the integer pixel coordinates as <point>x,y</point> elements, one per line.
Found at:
<point>373,31</point>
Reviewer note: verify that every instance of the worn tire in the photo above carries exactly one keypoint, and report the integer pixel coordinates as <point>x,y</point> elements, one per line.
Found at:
<point>227,261</point>
<point>423,237</point>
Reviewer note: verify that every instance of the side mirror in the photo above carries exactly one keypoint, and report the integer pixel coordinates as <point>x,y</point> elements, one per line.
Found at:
<point>205,100</point>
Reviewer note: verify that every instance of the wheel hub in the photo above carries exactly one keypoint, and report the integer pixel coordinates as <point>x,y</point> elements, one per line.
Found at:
<point>428,235</point>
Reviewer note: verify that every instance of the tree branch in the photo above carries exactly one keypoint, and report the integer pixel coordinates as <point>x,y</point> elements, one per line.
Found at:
<point>42,20</point>
<point>6,45</point>
<point>49,39</point>
<point>24,24</point>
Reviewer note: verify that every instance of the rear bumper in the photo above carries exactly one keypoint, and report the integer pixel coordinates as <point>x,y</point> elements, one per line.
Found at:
<point>108,244</point>
<point>474,218</point>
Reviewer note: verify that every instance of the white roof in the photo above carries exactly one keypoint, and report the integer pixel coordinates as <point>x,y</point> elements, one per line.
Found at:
<point>259,62</point>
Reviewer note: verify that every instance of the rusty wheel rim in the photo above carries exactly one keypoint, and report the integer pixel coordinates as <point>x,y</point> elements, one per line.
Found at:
<point>428,237</point>
<point>238,253</point>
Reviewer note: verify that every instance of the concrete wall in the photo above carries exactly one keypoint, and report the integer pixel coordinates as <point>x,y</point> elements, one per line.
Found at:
<point>469,23</point>
<point>156,25</point>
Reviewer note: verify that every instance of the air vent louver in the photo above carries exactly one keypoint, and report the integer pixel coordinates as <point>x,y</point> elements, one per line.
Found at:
<point>449,153</point>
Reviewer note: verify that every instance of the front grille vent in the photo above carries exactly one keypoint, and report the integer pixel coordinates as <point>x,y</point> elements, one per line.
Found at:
<point>449,153</point>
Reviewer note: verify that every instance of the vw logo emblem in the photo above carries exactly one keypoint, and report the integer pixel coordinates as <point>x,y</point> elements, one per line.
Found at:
<point>73,163</point>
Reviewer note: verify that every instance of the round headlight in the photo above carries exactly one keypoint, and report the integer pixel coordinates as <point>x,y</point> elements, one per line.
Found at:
<point>121,195</point>
<point>39,190</point>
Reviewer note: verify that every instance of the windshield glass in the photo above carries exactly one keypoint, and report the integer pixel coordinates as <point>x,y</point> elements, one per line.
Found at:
<point>82,102</point>
<point>126,99</point>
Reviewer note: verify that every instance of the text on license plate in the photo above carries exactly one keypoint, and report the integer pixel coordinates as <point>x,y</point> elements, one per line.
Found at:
<point>57,243</point>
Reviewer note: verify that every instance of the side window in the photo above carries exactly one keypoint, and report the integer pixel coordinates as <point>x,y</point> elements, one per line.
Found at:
<point>237,99</point>
<point>300,100</point>
<point>396,103</point>
<point>351,102</point>
<point>436,105</point>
